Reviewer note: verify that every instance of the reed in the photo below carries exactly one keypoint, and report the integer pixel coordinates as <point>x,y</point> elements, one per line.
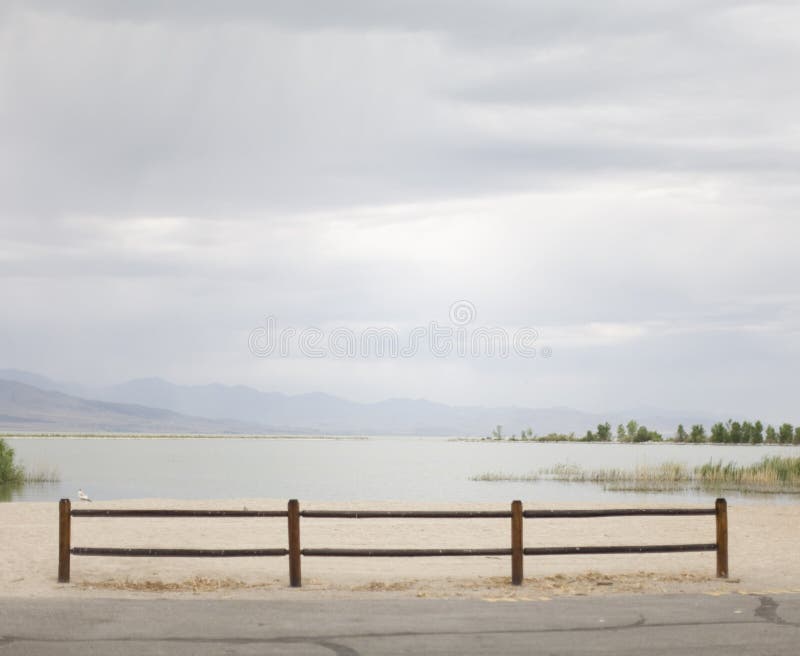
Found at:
<point>495,477</point>
<point>771,475</point>
<point>41,475</point>
<point>668,472</point>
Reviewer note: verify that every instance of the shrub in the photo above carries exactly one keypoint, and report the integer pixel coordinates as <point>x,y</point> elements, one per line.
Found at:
<point>9,472</point>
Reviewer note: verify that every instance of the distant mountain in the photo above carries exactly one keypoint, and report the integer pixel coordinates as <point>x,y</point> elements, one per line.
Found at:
<point>44,383</point>
<point>245,409</point>
<point>211,401</point>
<point>25,408</point>
<point>324,413</point>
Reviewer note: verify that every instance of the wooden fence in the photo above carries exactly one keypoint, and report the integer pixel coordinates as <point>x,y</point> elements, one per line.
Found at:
<point>293,513</point>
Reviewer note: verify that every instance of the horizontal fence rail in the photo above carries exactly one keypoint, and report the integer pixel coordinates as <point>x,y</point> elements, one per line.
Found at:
<point>179,513</point>
<point>293,514</point>
<point>646,548</point>
<point>404,553</point>
<point>406,514</point>
<point>177,553</point>
<point>622,512</point>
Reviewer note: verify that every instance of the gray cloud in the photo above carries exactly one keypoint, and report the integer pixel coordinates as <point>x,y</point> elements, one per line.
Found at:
<point>172,173</point>
<point>218,109</point>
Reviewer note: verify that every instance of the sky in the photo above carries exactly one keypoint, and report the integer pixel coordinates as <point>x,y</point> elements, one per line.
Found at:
<point>617,180</point>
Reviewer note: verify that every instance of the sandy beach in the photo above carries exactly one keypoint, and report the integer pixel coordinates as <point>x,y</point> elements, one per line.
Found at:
<point>763,554</point>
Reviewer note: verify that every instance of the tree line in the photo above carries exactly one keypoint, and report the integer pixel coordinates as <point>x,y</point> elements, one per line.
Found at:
<point>739,432</point>
<point>729,432</point>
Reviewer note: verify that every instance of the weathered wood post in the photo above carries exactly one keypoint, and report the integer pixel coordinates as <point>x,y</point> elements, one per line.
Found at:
<point>294,544</point>
<point>721,507</point>
<point>516,543</point>
<point>64,530</point>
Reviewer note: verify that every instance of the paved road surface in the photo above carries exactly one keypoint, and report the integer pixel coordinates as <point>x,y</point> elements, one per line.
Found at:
<point>635,625</point>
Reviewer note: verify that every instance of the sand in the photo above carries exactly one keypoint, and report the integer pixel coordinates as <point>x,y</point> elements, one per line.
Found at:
<point>763,540</point>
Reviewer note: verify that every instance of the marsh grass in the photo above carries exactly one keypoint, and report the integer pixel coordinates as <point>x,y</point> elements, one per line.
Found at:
<point>41,475</point>
<point>668,472</point>
<point>495,477</point>
<point>771,475</point>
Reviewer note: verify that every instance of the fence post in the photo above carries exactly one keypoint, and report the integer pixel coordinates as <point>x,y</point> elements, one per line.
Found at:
<point>294,543</point>
<point>721,507</point>
<point>516,543</point>
<point>64,530</point>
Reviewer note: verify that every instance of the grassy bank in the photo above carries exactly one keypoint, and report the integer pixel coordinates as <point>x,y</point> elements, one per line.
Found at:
<point>771,475</point>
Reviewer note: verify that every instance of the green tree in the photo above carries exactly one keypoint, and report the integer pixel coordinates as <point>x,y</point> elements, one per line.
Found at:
<point>747,432</point>
<point>757,434</point>
<point>728,431</point>
<point>604,432</point>
<point>621,433</point>
<point>645,435</point>
<point>633,428</point>
<point>772,436</point>
<point>681,435</point>
<point>785,433</point>
<point>719,433</point>
<point>698,434</point>
<point>9,471</point>
<point>735,433</point>
<point>796,439</point>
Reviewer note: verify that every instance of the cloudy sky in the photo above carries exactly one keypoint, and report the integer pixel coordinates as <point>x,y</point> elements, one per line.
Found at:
<point>622,177</point>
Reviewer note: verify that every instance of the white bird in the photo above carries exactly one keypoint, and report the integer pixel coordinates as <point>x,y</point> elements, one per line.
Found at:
<point>83,496</point>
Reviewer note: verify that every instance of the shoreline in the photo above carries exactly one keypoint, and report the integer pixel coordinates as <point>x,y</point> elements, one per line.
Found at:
<point>66,435</point>
<point>177,436</point>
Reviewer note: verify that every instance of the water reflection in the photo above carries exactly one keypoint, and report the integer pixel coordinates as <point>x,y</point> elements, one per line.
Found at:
<point>8,490</point>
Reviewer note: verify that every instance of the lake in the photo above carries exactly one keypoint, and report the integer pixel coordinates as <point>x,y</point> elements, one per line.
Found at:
<point>374,469</point>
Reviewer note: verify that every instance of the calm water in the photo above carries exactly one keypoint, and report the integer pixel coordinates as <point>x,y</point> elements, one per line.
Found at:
<point>404,469</point>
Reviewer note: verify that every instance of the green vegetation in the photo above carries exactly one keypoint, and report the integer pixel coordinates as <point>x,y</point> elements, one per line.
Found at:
<point>771,475</point>
<point>775,473</point>
<point>10,472</point>
<point>666,472</point>
<point>603,434</point>
<point>527,435</point>
<point>745,432</point>
<point>634,433</point>
<point>730,432</point>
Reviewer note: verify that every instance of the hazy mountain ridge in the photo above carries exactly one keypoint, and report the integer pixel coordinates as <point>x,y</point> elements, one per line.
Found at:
<point>156,405</point>
<point>26,408</point>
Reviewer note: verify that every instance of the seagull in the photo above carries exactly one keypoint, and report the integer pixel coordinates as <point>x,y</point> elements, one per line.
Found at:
<point>83,496</point>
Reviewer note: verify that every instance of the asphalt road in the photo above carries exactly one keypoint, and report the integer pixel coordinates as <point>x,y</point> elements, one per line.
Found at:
<point>674,624</point>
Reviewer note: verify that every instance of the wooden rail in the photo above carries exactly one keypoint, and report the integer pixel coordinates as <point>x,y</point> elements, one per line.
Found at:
<point>517,551</point>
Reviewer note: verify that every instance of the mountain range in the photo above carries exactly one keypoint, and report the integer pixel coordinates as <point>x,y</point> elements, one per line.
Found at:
<point>33,403</point>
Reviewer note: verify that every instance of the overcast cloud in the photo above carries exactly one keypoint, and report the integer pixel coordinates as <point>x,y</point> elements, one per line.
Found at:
<point>621,176</point>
